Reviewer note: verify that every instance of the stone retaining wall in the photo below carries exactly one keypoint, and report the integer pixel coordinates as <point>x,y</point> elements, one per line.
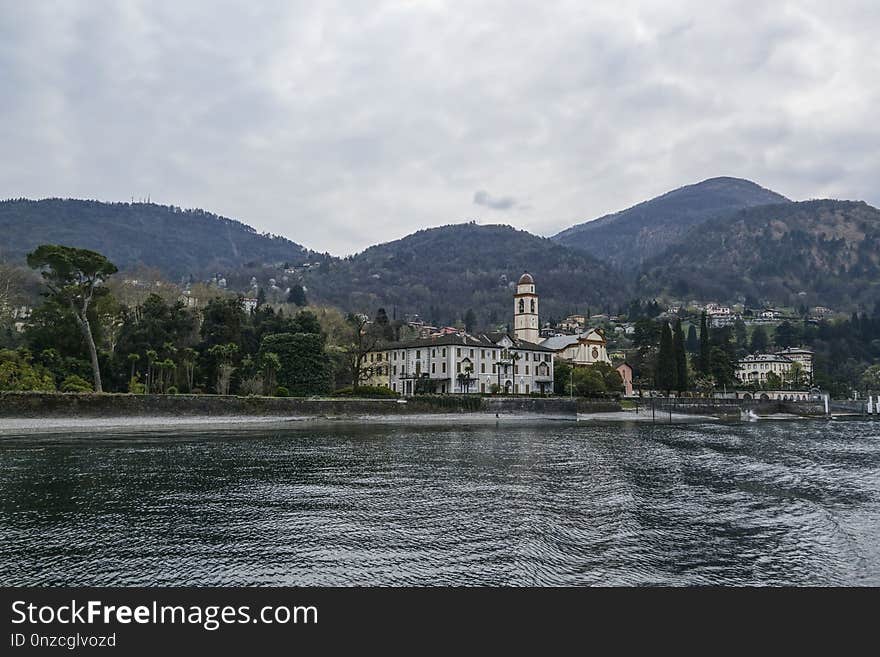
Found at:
<point>35,404</point>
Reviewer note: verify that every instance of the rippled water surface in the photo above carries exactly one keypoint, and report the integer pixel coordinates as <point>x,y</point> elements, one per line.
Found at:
<point>401,504</point>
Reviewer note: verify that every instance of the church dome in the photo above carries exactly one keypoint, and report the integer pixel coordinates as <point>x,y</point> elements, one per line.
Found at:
<point>526,279</point>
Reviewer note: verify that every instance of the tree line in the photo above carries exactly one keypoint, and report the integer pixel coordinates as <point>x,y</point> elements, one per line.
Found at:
<point>82,338</point>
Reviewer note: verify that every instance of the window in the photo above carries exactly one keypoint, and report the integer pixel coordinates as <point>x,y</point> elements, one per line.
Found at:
<point>527,372</point>
<point>493,368</point>
<point>482,368</point>
<point>458,351</point>
<point>482,353</point>
<point>433,353</point>
<point>433,368</point>
<point>516,369</point>
<point>444,352</point>
<point>395,355</point>
<point>482,387</point>
<point>522,306</point>
<point>515,388</point>
<point>472,353</point>
<point>418,354</point>
<point>443,368</point>
<point>527,388</point>
<point>371,358</point>
<point>458,366</point>
<point>394,387</point>
<point>395,370</point>
<point>493,354</point>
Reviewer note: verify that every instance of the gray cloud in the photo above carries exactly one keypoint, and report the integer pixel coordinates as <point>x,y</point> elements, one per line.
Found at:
<point>482,197</point>
<point>342,124</point>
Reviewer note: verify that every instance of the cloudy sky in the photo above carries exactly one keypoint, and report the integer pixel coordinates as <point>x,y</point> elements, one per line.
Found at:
<point>343,124</point>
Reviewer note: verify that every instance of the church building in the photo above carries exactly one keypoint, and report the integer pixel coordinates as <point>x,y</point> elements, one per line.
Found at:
<point>462,363</point>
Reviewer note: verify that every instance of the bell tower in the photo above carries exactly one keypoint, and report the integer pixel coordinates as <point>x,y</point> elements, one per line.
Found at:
<point>525,310</point>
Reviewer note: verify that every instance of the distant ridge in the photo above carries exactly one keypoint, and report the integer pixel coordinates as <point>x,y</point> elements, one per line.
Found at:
<point>823,252</point>
<point>442,272</point>
<point>627,238</point>
<point>178,242</point>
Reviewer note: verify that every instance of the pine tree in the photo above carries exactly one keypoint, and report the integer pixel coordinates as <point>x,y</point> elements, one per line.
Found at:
<point>681,368</point>
<point>704,363</point>
<point>664,378</point>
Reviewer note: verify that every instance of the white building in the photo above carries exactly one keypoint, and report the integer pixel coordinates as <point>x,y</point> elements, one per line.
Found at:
<point>802,356</point>
<point>457,362</point>
<point>755,368</point>
<point>462,363</point>
<point>585,349</point>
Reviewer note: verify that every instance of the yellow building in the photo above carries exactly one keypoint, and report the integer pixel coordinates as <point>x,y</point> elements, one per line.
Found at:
<point>376,370</point>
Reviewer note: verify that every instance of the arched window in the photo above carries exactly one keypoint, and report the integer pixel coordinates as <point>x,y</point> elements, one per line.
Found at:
<point>533,306</point>
<point>522,306</point>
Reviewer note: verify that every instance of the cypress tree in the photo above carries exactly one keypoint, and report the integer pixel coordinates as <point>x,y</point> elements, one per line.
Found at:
<point>693,342</point>
<point>704,363</point>
<point>760,341</point>
<point>681,367</point>
<point>664,379</point>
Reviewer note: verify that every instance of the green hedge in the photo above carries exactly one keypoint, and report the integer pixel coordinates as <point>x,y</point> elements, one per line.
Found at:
<point>366,391</point>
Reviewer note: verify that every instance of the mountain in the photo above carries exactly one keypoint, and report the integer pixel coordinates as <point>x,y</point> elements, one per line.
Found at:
<point>822,252</point>
<point>178,242</point>
<point>440,273</point>
<point>627,238</point>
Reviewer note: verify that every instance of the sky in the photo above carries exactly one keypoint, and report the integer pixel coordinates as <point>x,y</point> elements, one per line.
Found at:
<point>344,124</point>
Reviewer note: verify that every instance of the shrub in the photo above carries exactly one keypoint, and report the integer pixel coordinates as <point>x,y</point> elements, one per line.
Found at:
<point>281,391</point>
<point>172,390</point>
<point>135,387</point>
<point>18,374</point>
<point>366,391</point>
<point>305,366</point>
<point>252,386</point>
<point>74,383</point>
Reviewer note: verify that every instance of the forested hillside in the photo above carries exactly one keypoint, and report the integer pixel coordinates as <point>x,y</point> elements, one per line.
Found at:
<point>442,272</point>
<point>821,252</point>
<point>178,242</point>
<point>627,238</point>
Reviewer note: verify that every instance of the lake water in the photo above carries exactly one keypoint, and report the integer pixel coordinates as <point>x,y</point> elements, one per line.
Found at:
<point>444,504</point>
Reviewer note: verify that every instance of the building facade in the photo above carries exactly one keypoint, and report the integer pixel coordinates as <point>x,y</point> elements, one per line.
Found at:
<point>454,361</point>
<point>626,375</point>
<point>755,369</point>
<point>588,348</point>
<point>467,364</point>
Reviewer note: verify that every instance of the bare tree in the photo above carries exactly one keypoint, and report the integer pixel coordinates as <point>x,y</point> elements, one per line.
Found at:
<point>363,340</point>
